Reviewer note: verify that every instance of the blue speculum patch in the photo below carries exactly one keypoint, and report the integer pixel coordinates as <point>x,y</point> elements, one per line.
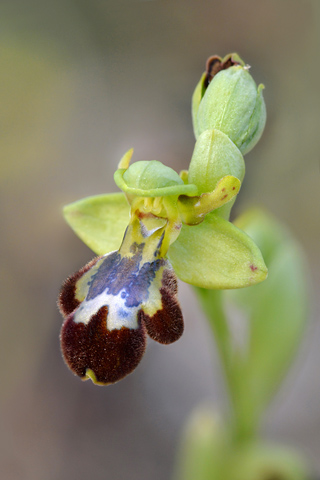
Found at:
<point>123,284</point>
<point>123,274</point>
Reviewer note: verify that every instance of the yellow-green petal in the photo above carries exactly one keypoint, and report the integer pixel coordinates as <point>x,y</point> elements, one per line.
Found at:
<point>99,221</point>
<point>194,209</point>
<point>217,255</point>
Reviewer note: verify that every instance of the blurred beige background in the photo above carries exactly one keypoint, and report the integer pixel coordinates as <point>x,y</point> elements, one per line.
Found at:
<point>80,83</point>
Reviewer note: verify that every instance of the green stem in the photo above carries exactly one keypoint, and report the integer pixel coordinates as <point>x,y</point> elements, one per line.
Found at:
<point>211,301</point>
<point>243,422</point>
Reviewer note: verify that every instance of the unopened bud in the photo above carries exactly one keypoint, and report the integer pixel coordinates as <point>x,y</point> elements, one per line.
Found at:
<point>227,99</point>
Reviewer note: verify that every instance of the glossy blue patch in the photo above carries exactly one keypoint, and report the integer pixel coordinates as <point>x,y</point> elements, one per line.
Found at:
<point>118,273</point>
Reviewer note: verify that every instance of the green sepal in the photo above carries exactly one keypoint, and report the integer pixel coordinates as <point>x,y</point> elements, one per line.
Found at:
<point>214,157</point>
<point>256,125</point>
<point>152,179</point>
<point>196,99</point>
<point>216,255</point>
<point>99,221</point>
<point>276,310</point>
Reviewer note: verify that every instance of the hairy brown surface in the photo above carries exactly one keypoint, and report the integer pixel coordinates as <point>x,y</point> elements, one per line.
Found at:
<point>111,355</point>
<point>67,302</point>
<point>166,325</point>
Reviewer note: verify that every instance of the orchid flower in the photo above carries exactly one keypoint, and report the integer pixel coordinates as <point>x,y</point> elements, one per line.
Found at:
<point>162,226</point>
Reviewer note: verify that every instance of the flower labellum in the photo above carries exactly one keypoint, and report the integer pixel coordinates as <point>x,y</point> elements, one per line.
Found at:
<point>116,299</point>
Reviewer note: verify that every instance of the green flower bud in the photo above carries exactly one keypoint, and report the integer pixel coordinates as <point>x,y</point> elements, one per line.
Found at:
<point>227,99</point>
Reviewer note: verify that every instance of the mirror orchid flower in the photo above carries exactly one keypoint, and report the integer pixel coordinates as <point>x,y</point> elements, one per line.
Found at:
<point>162,226</point>
<point>116,299</point>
